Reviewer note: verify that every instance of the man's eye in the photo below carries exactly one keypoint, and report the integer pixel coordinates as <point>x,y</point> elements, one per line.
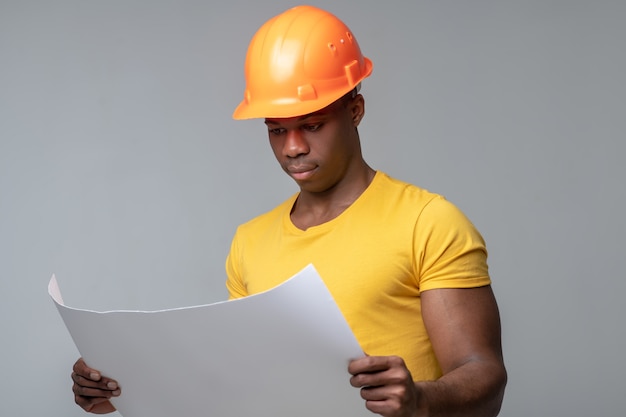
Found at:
<point>312,128</point>
<point>276,131</point>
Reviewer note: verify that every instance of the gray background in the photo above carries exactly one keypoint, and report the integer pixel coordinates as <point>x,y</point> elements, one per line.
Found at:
<point>122,171</point>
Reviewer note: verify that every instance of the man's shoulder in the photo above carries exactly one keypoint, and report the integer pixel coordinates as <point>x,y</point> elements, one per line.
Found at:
<point>405,198</point>
<point>407,191</point>
<point>431,208</point>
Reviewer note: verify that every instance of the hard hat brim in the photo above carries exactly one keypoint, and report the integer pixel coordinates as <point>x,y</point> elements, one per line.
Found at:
<point>255,109</point>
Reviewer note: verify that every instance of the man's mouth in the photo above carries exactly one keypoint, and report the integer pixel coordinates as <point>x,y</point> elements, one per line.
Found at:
<point>301,172</point>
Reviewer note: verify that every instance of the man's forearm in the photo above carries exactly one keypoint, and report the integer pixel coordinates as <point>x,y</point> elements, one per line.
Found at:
<point>473,389</point>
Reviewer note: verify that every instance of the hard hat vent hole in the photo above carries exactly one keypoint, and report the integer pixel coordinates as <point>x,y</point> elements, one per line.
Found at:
<point>349,36</point>
<point>332,48</point>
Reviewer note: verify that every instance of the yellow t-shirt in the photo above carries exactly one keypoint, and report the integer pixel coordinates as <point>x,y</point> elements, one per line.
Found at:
<point>376,257</point>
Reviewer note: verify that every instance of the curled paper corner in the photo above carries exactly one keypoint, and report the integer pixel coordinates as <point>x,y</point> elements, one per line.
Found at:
<point>53,290</point>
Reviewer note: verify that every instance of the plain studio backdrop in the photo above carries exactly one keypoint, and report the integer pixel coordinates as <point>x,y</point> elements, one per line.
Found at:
<point>122,172</point>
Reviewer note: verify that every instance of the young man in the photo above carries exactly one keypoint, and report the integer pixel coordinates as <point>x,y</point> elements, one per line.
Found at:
<point>406,267</point>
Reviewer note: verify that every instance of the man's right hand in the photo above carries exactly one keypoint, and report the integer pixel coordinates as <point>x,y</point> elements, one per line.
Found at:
<point>92,391</point>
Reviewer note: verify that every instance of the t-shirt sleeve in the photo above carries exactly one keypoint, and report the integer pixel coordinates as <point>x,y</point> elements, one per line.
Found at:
<point>450,252</point>
<point>234,281</point>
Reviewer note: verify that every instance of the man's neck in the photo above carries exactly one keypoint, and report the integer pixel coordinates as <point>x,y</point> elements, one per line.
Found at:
<point>313,209</point>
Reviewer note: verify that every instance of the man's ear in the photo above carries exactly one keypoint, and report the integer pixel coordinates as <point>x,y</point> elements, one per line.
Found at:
<point>357,109</point>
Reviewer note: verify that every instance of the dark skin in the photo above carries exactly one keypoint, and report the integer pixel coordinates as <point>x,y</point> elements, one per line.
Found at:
<point>321,151</point>
<point>92,391</point>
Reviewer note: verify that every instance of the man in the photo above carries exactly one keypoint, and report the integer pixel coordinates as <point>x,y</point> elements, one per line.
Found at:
<point>406,267</point>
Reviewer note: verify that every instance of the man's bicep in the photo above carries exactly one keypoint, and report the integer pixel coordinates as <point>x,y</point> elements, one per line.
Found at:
<point>463,325</point>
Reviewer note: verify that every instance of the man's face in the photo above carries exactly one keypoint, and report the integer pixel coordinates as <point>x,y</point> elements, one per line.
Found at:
<point>317,150</point>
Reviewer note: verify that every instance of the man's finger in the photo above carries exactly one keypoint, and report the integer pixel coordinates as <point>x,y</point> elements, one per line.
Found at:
<point>102,383</point>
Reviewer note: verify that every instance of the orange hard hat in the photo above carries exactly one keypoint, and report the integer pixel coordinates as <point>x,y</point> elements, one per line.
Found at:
<point>299,62</point>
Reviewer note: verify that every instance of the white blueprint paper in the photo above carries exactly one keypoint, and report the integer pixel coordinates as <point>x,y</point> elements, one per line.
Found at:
<point>284,352</point>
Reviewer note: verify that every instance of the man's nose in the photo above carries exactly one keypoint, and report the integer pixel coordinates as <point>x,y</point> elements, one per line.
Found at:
<point>295,144</point>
